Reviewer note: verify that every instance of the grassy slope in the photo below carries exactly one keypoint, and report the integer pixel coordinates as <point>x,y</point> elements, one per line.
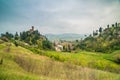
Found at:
<point>10,70</point>
<point>22,64</point>
<point>87,59</point>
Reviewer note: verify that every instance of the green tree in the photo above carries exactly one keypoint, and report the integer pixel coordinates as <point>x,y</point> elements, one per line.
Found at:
<point>39,43</point>
<point>116,25</point>
<point>7,35</point>
<point>46,44</point>
<point>16,43</point>
<point>108,26</point>
<point>100,29</point>
<point>16,36</point>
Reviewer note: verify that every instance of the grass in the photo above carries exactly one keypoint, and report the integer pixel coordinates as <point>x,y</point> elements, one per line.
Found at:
<point>22,64</point>
<point>10,70</point>
<point>87,59</point>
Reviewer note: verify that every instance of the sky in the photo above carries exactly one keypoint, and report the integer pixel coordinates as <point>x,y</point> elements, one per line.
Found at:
<point>58,16</point>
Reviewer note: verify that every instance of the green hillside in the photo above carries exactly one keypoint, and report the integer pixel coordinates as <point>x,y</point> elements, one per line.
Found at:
<point>21,64</point>
<point>103,40</point>
<point>10,69</point>
<point>59,39</point>
<point>99,61</point>
<point>31,56</point>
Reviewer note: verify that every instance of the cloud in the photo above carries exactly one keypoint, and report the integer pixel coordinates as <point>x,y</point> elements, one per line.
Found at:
<point>58,16</point>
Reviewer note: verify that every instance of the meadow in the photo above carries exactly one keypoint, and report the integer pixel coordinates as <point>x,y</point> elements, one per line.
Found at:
<point>101,61</point>
<point>22,64</point>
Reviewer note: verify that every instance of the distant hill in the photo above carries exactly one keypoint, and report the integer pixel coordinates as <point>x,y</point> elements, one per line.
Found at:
<point>65,36</point>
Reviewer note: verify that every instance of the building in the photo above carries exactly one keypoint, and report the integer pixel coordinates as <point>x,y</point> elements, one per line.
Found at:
<point>59,48</point>
<point>32,29</point>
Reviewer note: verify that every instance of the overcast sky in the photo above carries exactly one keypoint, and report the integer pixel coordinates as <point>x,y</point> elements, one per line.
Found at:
<point>58,16</point>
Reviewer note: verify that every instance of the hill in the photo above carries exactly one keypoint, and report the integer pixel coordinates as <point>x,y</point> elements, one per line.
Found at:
<point>19,63</point>
<point>30,37</point>
<point>103,40</point>
<point>65,36</point>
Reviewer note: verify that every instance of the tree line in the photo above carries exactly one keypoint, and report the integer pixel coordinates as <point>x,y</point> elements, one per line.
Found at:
<point>31,38</point>
<point>102,40</point>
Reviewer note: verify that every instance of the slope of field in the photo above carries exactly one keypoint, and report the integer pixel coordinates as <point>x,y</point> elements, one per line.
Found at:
<point>87,59</point>
<point>22,64</point>
<point>10,69</point>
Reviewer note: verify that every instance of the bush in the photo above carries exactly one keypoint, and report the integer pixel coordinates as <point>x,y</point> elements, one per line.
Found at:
<point>117,58</point>
<point>16,44</point>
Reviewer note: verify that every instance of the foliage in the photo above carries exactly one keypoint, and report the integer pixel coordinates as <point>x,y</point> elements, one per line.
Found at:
<point>22,64</point>
<point>7,35</point>
<point>30,37</point>
<point>16,36</point>
<point>87,59</point>
<point>46,44</point>
<point>107,40</point>
<point>16,43</point>
<point>117,57</point>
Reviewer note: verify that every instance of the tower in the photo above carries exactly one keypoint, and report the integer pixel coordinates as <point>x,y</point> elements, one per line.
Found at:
<point>32,28</point>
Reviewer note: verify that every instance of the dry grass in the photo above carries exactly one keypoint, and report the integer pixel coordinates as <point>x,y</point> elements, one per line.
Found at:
<point>37,65</point>
<point>62,71</point>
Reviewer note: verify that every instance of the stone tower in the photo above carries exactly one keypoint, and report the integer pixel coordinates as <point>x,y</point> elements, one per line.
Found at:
<point>32,28</point>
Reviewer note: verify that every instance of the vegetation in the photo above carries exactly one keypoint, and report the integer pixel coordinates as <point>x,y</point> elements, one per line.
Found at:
<point>30,56</point>
<point>117,56</point>
<point>22,64</point>
<point>87,59</point>
<point>103,40</point>
<point>31,37</point>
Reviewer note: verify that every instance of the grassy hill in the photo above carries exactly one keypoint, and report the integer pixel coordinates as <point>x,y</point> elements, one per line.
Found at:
<point>22,64</point>
<point>103,40</point>
<point>87,59</point>
<point>10,69</point>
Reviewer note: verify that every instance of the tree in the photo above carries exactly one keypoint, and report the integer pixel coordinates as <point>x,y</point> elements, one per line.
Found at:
<point>95,33</point>
<point>69,48</point>
<point>112,25</point>
<point>100,29</point>
<point>76,40</point>
<point>30,37</point>
<point>116,25</point>
<point>23,36</point>
<point>16,36</point>
<point>46,44</point>
<point>7,35</point>
<point>108,26</point>
<point>16,44</point>
<point>39,43</point>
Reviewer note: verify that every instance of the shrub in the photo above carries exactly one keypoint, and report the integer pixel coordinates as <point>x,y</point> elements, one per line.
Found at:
<point>1,61</point>
<point>117,58</point>
<point>16,44</point>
